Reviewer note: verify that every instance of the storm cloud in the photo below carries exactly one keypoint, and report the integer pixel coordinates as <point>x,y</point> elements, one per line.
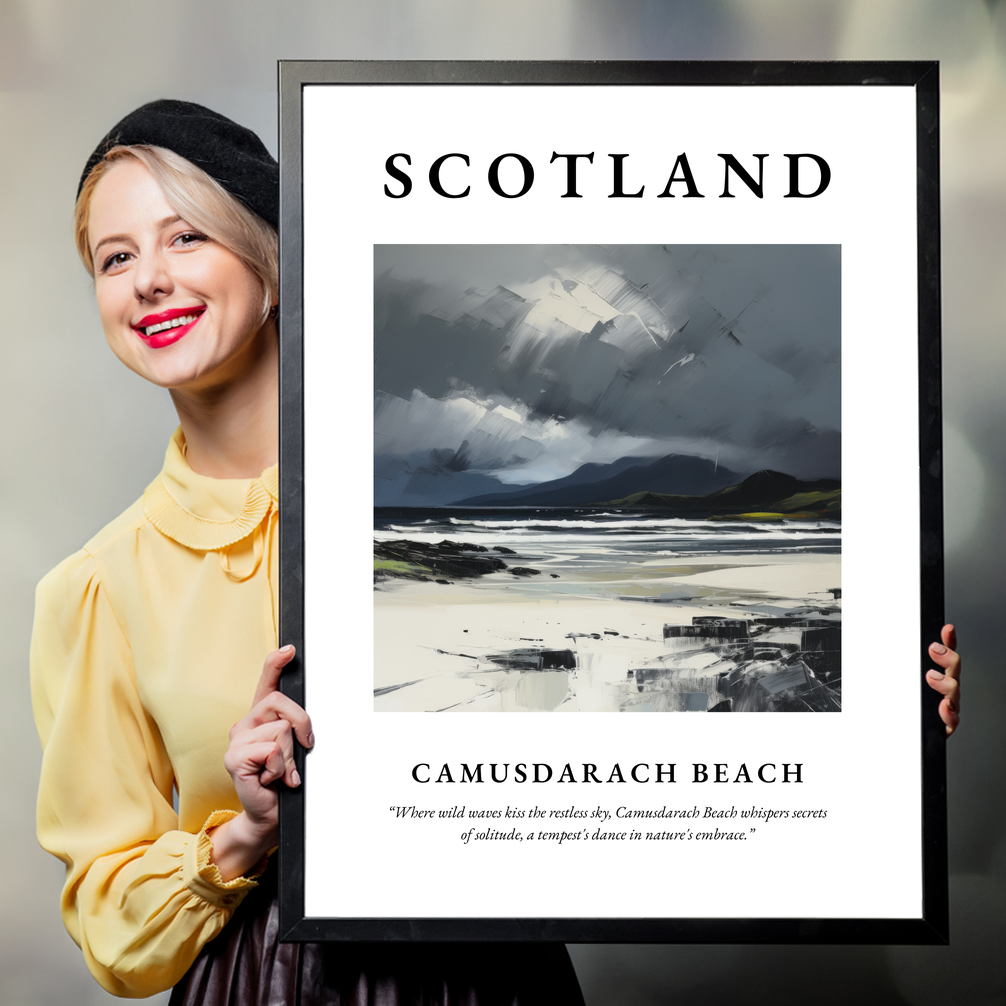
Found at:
<point>508,365</point>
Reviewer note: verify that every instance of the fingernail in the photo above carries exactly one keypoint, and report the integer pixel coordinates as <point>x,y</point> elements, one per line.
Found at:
<point>286,649</point>
<point>938,648</point>
<point>295,777</point>
<point>310,740</point>
<point>936,676</point>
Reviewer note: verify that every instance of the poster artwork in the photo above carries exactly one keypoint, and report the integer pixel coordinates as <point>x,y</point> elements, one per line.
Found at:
<point>607,478</point>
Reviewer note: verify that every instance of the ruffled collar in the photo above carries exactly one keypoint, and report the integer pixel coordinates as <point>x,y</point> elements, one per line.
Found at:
<point>203,513</point>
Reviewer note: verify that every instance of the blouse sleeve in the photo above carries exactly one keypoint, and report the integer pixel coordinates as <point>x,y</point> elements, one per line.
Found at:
<point>141,898</point>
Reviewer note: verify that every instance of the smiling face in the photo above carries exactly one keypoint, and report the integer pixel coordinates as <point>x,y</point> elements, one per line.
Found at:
<point>177,307</point>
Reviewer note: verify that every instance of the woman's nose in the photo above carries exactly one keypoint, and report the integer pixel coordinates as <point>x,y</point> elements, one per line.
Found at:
<point>152,277</point>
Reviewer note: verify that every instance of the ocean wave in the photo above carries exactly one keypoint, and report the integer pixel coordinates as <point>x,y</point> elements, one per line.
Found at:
<point>579,529</point>
<point>653,525</point>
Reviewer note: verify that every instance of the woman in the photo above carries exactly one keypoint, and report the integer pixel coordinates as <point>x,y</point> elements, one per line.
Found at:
<point>148,643</point>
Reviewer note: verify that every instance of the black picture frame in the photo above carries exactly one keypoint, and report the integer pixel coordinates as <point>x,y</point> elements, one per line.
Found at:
<point>931,924</point>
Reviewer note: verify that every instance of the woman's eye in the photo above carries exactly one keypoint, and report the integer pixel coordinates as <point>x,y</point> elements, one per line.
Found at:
<point>190,238</point>
<point>114,261</point>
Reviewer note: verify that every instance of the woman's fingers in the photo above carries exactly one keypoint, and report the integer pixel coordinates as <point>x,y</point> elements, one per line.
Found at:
<point>274,735</point>
<point>947,681</point>
<point>260,761</point>
<point>949,636</point>
<point>277,706</point>
<point>949,708</point>
<point>271,671</point>
<point>270,703</point>
<point>274,767</point>
<point>945,655</point>
<point>261,749</point>
<point>947,686</point>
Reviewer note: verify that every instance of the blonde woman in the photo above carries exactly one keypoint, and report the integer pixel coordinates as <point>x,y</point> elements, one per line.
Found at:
<point>165,735</point>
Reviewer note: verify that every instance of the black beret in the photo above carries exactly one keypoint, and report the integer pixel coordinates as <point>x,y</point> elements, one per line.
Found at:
<point>231,154</point>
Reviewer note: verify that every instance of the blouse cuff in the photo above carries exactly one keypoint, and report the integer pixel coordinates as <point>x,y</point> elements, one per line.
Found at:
<point>202,876</point>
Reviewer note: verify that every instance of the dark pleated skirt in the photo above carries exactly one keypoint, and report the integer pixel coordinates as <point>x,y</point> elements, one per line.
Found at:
<point>246,965</point>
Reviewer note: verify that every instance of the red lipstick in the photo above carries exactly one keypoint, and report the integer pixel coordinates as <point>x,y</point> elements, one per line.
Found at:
<point>166,325</point>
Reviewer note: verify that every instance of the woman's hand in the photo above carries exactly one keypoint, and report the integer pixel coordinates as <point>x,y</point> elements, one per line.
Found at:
<point>947,682</point>
<point>260,754</point>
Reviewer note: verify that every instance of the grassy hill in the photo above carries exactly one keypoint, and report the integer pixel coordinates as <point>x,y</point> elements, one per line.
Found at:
<point>766,495</point>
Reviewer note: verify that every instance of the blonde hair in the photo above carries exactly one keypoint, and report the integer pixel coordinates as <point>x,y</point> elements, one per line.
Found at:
<point>199,200</point>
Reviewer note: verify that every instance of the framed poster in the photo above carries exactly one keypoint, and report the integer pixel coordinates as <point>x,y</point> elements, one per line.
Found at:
<point>642,364</point>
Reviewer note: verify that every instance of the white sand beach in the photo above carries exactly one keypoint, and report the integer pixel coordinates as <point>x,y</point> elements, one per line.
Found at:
<point>435,643</point>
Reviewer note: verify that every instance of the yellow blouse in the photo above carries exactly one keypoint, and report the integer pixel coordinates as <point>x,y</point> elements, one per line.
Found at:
<point>147,647</point>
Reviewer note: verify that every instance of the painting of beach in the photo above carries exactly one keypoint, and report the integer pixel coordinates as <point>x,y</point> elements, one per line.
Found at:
<point>607,479</point>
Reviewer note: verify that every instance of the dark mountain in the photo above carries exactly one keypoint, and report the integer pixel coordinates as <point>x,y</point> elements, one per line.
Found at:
<point>591,484</point>
<point>767,485</point>
<point>416,482</point>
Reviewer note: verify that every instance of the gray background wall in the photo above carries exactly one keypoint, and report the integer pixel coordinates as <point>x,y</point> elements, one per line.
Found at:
<point>82,436</point>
